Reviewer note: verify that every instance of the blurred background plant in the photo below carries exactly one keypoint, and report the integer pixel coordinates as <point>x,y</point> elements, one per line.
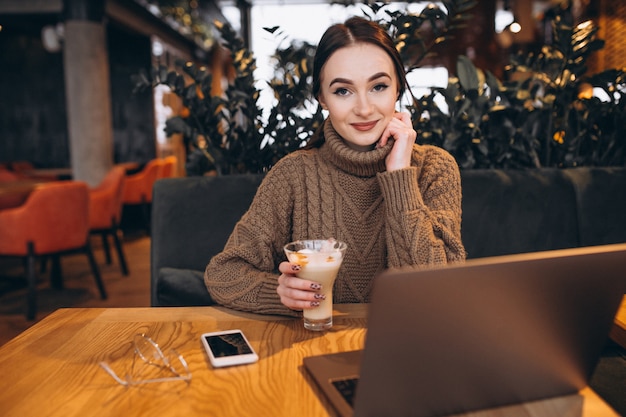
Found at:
<point>186,17</point>
<point>228,131</point>
<point>546,112</point>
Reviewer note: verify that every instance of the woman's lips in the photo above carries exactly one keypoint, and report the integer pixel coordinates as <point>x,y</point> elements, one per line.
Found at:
<point>363,127</point>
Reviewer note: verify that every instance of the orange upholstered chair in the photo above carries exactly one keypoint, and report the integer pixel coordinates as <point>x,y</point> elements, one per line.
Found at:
<point>105,213</point>
<point>8,176</point>
<point>138,188</point>
<point>53,221</point>
<point>168,167</point>
<point>21,166</point>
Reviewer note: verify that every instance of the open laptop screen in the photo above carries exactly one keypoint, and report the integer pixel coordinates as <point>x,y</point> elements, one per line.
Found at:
<point>490,332</point>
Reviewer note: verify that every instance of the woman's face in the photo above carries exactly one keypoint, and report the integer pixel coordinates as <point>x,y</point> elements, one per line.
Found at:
<point>359,88</point>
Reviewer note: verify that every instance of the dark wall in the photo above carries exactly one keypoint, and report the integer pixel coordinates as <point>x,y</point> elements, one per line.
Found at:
<point>33,116</point>
<point>33,120</point>
<point>133,113</point>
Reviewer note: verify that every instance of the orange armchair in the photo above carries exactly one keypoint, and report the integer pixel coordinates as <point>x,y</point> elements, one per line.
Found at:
<point>138,188</point>
<point>54,221</point>
<point>8,176</point>
<point>105,213</point>
<point>21,166</point>
<point>168,167</point>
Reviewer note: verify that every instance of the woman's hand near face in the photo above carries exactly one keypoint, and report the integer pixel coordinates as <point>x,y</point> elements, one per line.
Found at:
<point>296,293</point>
<point>401,129</point>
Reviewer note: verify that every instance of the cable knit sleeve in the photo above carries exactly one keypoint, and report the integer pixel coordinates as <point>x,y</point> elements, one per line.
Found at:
<point>423,210</point>
<point>244,276</point>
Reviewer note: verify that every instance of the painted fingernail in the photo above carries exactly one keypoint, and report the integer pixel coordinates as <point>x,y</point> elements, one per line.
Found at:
<point>295,268</point>
<point>315,303</point>
<point>320,296</point>
<point>316,286</point>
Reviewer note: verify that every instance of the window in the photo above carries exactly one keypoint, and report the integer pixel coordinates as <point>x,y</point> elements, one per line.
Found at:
<point>308,22</point>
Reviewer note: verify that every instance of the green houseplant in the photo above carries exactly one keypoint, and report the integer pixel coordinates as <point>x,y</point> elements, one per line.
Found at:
<point>543,115</point>
<point>230,132</point>
<point>539,116</point>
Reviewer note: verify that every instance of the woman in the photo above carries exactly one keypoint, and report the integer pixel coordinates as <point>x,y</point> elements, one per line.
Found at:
<point>363,181</point>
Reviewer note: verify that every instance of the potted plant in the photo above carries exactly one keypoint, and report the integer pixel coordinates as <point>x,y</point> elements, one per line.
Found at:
<point>541,115</point>
<point>229,132</point>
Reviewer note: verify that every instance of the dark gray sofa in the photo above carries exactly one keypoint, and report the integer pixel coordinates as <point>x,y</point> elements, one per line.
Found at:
<point>190,222</point>
<point>504,212</point>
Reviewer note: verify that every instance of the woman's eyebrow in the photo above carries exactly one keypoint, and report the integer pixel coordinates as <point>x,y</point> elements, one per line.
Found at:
<point>347,81</point>
<point>379,75</point>
<point>339,81</point>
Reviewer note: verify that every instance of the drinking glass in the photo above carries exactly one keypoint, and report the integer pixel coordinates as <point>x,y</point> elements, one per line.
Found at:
<point>319,261</point>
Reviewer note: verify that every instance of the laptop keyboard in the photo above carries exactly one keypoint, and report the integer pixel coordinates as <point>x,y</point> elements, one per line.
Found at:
<point>347,388</point>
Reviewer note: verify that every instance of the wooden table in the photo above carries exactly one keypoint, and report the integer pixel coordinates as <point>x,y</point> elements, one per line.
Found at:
<point>52,174</point>
<point>130,167</point>
<point>14,193</point>
<point>52,368</point>
<point>618,330</point>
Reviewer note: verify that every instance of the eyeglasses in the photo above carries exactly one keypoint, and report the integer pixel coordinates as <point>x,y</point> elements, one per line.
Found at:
<point>151,354</point>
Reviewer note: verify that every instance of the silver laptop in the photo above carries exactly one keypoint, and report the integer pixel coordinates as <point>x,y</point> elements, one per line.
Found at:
<point>491,332</point>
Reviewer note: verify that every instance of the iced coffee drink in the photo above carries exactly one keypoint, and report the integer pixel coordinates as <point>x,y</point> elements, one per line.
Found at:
<point>319,261</point>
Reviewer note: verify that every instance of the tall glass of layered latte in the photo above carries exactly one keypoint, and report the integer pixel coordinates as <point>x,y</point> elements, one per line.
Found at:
<point>319,261</point>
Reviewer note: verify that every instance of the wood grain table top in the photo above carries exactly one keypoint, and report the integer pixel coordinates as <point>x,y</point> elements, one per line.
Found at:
<point>52,369</point>
<point>618,330</point>
<point>15,193</point>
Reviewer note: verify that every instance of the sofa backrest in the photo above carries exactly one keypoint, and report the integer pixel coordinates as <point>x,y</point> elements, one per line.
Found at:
<point>504,212</point>
<point>601,204</point>
<point>193,217</point>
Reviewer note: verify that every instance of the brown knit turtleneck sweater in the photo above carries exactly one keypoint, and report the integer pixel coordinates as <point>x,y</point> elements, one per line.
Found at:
<point>388,219</point>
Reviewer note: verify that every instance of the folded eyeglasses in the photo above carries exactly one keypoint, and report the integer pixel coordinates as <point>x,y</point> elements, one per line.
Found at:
<point>151,354</point>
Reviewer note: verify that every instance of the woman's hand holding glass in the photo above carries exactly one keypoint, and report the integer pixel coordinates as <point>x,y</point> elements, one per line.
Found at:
<point>400,128</point>
<point>297,293</point>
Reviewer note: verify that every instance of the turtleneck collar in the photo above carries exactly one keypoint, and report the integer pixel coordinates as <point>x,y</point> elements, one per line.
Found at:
<point>362,164</point>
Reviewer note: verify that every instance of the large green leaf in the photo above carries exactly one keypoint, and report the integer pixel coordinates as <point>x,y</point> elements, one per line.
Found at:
<point>467,73</point>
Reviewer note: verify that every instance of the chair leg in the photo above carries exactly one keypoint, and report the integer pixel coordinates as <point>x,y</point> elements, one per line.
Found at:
<point>115,231</point>
<point>56,276</point>
<point>105,246</point>
<point>32,283</point>
<point>43,264</point>
<point>95,271</point>
<point>146,207</point>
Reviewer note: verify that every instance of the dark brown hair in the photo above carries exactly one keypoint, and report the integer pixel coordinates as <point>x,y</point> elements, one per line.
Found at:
<point>355,30</point>
<point>341,35</point>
